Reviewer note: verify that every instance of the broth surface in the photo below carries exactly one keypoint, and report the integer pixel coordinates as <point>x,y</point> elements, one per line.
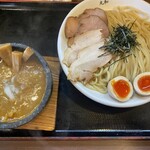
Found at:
<point>20,93</point>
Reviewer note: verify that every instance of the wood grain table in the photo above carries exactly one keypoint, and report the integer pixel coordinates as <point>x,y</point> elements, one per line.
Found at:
<point>76,145</point>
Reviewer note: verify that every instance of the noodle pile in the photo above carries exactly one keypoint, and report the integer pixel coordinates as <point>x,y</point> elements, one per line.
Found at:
<point>134,64</point>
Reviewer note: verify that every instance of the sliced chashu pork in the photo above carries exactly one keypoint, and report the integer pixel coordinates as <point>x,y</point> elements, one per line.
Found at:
<point>82,69</point>
<point>92,23</point>
<point>90,19</point>
<point>87,24</point>
<point>94,12</point>
<point>71,26</point>
<point>80,42</point>
<point>88,50</point>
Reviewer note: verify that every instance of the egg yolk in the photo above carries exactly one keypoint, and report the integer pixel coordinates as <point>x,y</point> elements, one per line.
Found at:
<point>121,88</point>
<point>144,83</point>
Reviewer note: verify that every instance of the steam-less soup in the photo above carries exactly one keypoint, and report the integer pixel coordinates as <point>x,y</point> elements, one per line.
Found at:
<point>20,93</point>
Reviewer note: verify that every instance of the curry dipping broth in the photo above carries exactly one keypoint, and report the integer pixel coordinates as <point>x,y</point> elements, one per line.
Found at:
<point>25,90</point>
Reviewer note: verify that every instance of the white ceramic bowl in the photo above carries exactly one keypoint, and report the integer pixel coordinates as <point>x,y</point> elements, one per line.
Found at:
<point>105,99</point>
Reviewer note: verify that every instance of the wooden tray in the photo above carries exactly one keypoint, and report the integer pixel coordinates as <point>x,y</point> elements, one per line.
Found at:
<point>46,119</point>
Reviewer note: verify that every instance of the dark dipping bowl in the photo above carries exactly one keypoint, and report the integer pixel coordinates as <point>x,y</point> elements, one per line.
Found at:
<point>46,96</point>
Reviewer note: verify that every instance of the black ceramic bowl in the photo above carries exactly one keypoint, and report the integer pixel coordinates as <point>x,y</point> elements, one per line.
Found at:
<point>38,109</point>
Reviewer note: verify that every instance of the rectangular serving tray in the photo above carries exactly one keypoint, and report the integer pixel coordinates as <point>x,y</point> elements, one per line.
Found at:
<point>37,25</point>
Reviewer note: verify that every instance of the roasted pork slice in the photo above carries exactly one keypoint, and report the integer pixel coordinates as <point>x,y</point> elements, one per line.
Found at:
<point>5,53</point>
<point>80,42</point>
<point>70,56</point>
<point>90,19</point>
<point>73,55</point>
<point>71,26</point>
<point>86,39</point>
<point>88,50</point>
<point>95,12</point>
<point>83,68</point>
<point>93,23</point>
<point>16,60</point>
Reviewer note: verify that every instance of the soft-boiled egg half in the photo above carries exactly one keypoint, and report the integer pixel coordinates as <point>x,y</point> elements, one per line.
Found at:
<point>141,84</point>
<point>120,88</point>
